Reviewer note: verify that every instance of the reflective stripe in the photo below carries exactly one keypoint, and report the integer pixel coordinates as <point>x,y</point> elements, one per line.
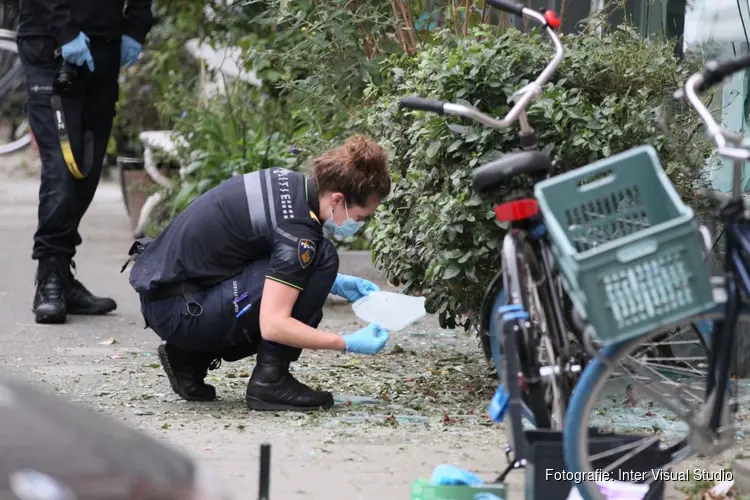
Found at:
<point>286,236</point>
<point>254,195</point>
<point>271,200</point>
<point>283,282</point>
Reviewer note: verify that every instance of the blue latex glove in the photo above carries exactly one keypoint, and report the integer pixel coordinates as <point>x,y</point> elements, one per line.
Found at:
<point>486,496</point>
<point>77,52</point>
<point>369,340</point>
<point>450,475</point>
<point>130,49</point>
<point>352,288</point>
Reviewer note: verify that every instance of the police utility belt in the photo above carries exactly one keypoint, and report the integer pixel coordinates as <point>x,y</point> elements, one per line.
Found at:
<point>185,289</point>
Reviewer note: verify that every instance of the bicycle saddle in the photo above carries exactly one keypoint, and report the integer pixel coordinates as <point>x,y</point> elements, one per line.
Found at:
<point>490,177</point>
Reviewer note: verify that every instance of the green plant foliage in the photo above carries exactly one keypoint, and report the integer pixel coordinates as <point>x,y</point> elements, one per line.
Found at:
<point>229,135</point>
<point>318,57</point>
<point>434,234</point>
<point>152,90</point>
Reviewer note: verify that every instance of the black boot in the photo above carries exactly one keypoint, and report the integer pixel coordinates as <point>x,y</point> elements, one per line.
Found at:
<point>80,301</point>
<point>273,388</point>
<point>49,299</point>
<point>186,371</point>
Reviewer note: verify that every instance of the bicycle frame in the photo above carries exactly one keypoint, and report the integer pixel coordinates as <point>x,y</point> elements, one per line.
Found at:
<point>738,281</point>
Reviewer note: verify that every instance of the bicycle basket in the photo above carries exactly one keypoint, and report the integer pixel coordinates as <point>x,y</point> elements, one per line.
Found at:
<point>627,247</point>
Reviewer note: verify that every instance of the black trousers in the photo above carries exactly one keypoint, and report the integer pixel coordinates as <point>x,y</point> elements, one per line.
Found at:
<point>63,199</point>
<point>206,321</point>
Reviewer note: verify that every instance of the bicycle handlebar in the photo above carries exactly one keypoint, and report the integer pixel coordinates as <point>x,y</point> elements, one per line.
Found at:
<point>422,104</point>
<point>713,74</point>
<point>550,22</point>
<point>508,6</point>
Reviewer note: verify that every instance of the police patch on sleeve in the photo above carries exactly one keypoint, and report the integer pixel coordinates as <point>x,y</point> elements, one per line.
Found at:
<point>305,252</point>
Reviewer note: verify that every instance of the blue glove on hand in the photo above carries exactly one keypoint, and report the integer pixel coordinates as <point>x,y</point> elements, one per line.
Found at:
<point>130,49</point>
<point>449,475</point>
<point>77,52</point>
<point>486,496</point>
<point>368,340</point>
<point>352,288</point>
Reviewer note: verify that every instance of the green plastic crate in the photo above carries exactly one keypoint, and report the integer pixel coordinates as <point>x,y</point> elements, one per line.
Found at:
<point>627,246</point>
<point>423,489</point>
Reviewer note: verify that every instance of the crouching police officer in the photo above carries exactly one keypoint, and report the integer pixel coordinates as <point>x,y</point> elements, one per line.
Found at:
<point>71,52</point>
<point>245,269</point>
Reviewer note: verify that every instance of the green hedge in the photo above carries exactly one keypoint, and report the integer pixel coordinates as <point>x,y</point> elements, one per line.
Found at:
<point>433,234</point>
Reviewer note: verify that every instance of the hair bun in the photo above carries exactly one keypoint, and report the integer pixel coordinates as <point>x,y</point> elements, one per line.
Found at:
<point>368,155</point>
<point>358,168</point>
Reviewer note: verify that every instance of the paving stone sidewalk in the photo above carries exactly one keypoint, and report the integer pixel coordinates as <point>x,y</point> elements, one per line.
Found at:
<point>420,403</point>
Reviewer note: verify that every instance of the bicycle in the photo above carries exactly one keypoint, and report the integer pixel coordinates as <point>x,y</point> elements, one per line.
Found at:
<point>528,332</point>
<point>534,276</point>
<point>11,87</point>
<point>709,428</point>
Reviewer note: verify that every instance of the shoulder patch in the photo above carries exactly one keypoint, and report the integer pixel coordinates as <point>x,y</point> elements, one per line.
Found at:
<point>305,252</point>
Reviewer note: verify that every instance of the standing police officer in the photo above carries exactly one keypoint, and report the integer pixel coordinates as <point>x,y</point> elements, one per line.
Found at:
<point>245,269</point>
<point>94,38</point>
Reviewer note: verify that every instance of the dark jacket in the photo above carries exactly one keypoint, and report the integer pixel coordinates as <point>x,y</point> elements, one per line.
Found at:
<point>64,19</point>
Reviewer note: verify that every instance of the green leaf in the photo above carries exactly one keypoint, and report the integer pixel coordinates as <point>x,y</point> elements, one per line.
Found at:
<point>433,149</point>
<point>185,195</point>
<point>455,145</point>
<point>451,273</point>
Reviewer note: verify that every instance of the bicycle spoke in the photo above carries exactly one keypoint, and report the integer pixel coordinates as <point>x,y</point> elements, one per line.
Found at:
<point>635,447</point>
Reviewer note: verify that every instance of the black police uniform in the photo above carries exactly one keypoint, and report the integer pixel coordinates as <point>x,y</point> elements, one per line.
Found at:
<point>210,264</point>
<point>45,26</point>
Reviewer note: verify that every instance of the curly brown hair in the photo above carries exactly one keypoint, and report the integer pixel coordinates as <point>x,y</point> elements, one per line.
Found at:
<point>358,169</point>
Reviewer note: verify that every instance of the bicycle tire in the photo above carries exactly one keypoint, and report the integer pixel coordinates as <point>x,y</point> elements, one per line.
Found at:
<point>8,44</point>
<point>17,145</point>
<point>534,397</point>
<point>590,384</point>
<point>12,74</point>
<point>490,303</point>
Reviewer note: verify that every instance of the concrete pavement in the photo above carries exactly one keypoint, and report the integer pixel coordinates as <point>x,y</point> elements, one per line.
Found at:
<point>420,403</point>
<point>109,364</point>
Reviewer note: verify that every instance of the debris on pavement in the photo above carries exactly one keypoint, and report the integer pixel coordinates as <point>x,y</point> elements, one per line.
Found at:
<point>719,491</point>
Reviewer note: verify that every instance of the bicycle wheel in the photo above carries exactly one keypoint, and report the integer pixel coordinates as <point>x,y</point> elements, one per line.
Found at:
<point>635,413</point>
<point>12,95</point>
<point>541,397</point>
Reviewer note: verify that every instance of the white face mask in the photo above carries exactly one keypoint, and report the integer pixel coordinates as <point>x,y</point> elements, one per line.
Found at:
<point>348,228</point>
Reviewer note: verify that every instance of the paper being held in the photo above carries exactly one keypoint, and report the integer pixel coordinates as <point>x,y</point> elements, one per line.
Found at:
<point>392,311</point>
